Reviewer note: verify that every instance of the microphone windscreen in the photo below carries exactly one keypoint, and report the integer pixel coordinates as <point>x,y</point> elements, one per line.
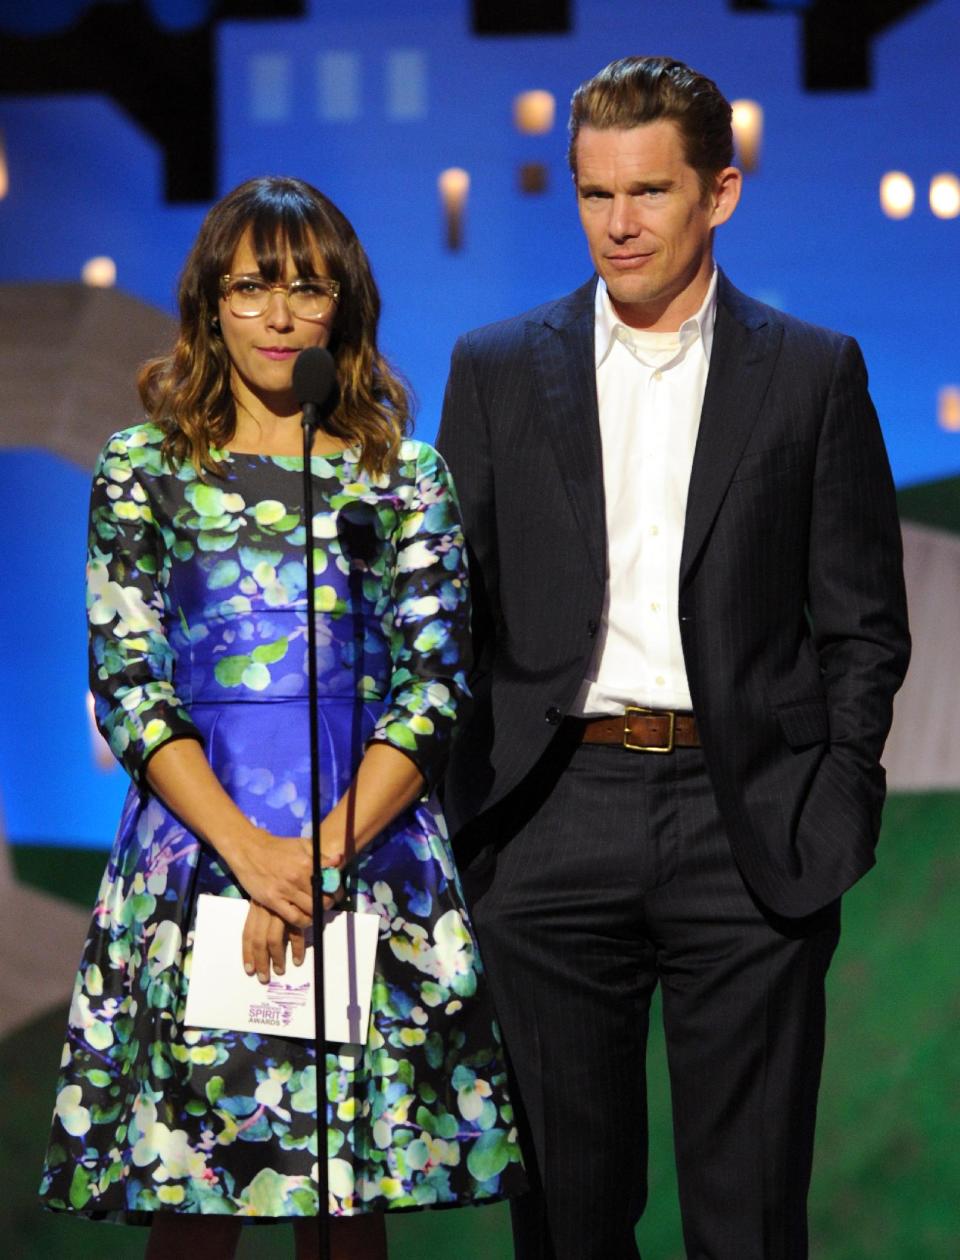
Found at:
<point>357,532</point>
<point>314,376</point>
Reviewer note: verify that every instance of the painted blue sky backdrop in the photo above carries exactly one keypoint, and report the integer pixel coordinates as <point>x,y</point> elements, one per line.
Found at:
<point>370,104</point>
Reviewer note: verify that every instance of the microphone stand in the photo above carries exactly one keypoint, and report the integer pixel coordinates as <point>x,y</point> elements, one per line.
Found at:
<point>310,423</point>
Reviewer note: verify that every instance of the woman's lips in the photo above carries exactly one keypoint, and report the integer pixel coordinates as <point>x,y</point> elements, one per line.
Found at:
<point>278,353</point>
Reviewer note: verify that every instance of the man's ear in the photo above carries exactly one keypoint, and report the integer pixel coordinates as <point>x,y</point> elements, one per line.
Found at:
<point>725,195</point>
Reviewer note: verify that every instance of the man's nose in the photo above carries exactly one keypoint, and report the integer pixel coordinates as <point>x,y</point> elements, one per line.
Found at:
<point>623,219</point>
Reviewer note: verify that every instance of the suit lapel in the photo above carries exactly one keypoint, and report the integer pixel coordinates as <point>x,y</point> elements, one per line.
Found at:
<point>745,348</point>
<point>562,352</point>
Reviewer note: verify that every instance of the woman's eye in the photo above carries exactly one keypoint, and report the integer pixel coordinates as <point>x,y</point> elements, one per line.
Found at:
<point>312,287</point>
<point>248,286</point>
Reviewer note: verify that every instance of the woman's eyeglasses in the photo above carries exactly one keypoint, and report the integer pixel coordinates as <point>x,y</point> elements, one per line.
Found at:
<point>311,297</point>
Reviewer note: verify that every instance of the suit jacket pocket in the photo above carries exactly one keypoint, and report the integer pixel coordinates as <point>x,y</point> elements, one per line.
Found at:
<point>804,722</point>
<point>770,462</point>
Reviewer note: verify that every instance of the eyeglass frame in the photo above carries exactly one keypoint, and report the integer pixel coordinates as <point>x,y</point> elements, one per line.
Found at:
<point>331,286</point>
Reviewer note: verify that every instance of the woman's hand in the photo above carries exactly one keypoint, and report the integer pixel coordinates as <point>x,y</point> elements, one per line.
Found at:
<point>276,872</point>
<point>265,938</point>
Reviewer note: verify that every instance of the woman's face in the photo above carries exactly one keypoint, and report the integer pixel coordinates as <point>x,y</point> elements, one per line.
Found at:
<point>263,348</point>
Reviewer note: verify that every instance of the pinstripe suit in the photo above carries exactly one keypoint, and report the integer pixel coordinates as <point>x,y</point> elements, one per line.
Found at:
<point>794,632</point>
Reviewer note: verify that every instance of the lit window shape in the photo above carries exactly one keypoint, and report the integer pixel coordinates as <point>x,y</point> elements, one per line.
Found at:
<point>338,86</point>
<point>948,408</point>
<point>534,112</point>
<point>100,272</point>
<point>945,195</point>
<point>270,93</point>
<point>454,185</point>
<point>897,195</point>
<point>4,172</point>
<point>406,84</point>
<point>747,124</point>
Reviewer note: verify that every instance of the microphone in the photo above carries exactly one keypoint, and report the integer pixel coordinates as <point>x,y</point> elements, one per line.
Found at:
<point>315,385</point>
<point>357,534</point>
<point>315,389</point>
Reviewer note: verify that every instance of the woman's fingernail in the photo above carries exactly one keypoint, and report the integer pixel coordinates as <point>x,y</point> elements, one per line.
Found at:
<point>278,971</point>
<point>248,968</point>
<point>263,977</point>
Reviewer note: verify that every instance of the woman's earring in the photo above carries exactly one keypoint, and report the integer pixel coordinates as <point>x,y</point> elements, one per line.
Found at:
<point>215,324</point>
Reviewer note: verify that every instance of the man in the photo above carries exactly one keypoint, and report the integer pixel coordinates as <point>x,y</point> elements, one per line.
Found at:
<point>690,625</point>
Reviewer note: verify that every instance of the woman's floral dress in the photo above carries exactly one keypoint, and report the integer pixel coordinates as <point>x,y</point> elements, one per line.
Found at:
<point>196,593</point>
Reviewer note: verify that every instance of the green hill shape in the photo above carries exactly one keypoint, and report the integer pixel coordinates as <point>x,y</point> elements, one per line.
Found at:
<point>932,503</point>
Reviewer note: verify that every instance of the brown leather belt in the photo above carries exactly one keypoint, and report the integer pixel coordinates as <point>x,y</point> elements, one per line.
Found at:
<point>643,730</point>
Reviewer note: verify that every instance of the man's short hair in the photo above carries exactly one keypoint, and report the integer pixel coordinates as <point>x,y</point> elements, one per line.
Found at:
<point>637,90</point>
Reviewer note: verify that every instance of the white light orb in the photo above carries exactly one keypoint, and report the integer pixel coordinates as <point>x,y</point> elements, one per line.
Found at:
<point>534,112</point>
<point>747,124</point>
<point>100,272</point>
<point>945,195</point>
<point>454,185</point>
<point>948,408</point>
<point>897,195</point>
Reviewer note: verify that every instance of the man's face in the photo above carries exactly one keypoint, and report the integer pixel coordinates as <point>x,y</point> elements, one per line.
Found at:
<point>647,222</point>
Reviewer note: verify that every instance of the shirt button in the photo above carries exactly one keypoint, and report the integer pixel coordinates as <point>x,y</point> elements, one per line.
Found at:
<point>592,627</point>
<point>654,607</point>
<point>657,375</point>
<point>660,680</point>
<point>553,715</point>
<point>654,530</point>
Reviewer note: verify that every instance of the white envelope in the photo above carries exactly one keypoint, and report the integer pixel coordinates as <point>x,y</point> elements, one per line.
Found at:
<point>222,995</point>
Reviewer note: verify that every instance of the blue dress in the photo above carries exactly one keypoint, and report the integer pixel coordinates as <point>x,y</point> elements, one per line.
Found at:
<point>196,596</point>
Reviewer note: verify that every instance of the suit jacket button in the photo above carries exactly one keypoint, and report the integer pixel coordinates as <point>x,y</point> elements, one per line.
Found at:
<point>592,627</point>
<point>553,715</point>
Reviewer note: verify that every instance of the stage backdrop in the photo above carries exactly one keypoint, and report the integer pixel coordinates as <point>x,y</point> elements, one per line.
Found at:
<point>371,102</point>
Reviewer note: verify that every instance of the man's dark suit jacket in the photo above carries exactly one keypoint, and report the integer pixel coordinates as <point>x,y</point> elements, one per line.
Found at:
<point>791,599</point>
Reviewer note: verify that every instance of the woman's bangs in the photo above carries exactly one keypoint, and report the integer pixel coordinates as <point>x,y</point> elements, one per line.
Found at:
<point>275,232</point>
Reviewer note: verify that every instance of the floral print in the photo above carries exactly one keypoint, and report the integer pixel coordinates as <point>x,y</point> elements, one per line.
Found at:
<point>197,609</point>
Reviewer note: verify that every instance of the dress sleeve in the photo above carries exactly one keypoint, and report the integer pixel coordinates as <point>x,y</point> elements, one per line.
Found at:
<point>131,661</point>
<point>429,637</point>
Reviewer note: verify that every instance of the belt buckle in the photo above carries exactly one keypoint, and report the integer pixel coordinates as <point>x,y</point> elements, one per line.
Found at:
<point>650,748</point>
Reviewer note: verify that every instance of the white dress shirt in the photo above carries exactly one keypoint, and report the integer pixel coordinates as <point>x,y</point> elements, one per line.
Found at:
<point>650,389</point>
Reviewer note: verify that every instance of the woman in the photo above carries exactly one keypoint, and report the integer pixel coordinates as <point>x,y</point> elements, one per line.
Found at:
<point>196,593</point>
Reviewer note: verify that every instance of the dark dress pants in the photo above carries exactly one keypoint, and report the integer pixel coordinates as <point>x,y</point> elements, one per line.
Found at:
<point>608,872</point>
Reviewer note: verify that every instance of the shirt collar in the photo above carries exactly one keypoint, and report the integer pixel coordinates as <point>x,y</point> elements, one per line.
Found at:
<point>698,327</point>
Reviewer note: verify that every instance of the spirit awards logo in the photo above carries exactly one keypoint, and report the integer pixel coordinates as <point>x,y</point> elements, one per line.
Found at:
<point>277,1008</point>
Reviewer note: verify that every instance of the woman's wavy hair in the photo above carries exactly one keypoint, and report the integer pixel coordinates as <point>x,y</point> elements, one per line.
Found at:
<point>187,393</point>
